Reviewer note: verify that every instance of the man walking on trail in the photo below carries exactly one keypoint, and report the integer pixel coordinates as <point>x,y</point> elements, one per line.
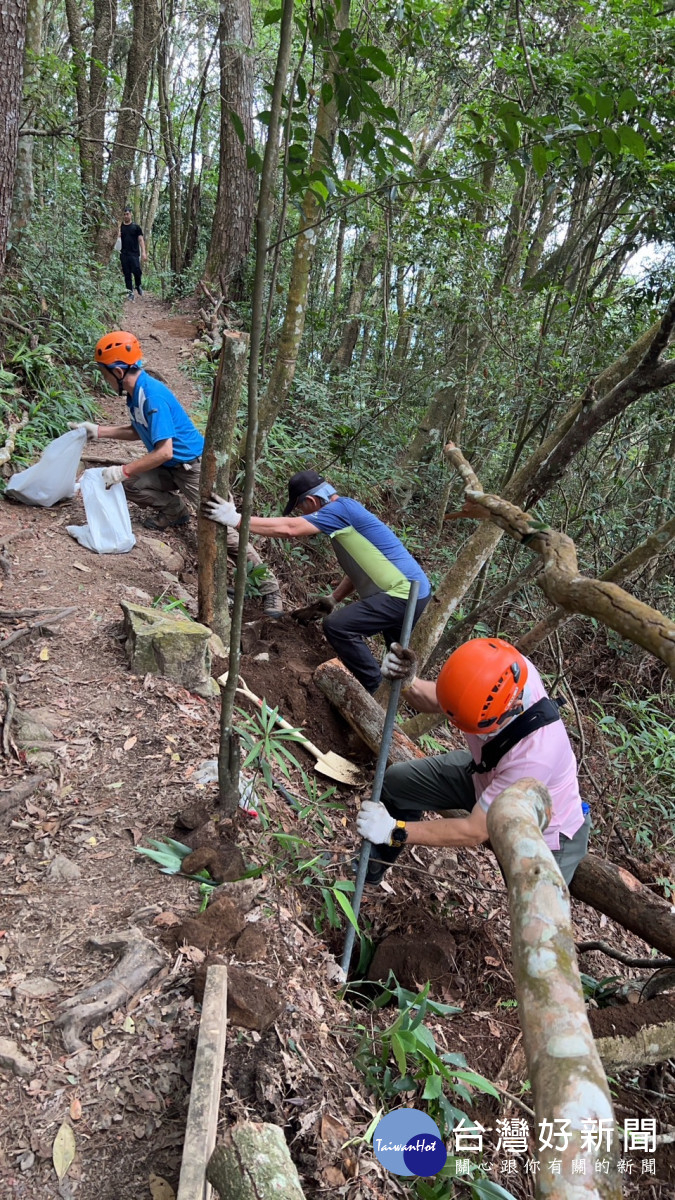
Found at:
<point>513,731</point>
<point>132,250</point>
<point>376,564</point>
<point>168,473</point>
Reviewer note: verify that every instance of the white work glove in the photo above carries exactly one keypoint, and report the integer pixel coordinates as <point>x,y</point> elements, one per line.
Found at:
<point>223,512</point>
<point>113,475</point>
<point>374,823</point>
<point>399,664</point>
<point>91,429</point>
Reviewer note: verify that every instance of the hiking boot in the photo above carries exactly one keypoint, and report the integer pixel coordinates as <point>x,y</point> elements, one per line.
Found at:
<point>166,522</point>
<point>376,870</point>
<point>130,295</point>
<point>273,605</point>
<point>139,289</point>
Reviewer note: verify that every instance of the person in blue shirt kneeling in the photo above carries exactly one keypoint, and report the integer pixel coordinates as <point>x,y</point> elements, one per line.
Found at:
<point>168,473</point>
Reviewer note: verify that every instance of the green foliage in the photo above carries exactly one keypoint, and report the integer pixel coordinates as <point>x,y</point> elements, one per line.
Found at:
<point>169,603</point>
<point>641,736</point>
<point>59,294</point>
<point>602,991</point>
<point>402,1063</point>
<point>167,853</point>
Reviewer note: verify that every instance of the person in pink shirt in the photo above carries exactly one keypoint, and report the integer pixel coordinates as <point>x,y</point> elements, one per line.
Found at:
<point>513,731</point>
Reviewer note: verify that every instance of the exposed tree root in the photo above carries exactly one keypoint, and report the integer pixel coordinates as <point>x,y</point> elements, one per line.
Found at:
<point>139,960</point>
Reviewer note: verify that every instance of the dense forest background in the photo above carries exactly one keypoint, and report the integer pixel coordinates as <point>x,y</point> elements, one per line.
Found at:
<point>473,209</point>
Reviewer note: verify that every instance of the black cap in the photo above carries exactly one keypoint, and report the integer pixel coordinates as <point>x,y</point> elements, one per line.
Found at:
<point>298,487</point>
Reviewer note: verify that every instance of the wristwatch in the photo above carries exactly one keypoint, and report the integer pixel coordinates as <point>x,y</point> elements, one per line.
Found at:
<point>399,834</point>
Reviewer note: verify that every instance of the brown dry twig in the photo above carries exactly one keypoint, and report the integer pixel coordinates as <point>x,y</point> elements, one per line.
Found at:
<point>38,624</point>
<point>10,706</point>
<point>622,957</point>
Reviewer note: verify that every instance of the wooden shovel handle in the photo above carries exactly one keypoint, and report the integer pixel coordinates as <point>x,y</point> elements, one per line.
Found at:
<point>303,741</point>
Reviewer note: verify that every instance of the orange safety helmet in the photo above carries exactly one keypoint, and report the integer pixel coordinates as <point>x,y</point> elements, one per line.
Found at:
<point>118,349</point>
<point>481,684</point>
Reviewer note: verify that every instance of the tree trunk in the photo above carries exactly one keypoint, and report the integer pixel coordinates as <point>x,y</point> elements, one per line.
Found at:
<point>105,22</point>
<point>651,1044</point>
<point>560,578</point>
<point>254,1162</point>
<point>618,894</point>
<point>342,358</point>
<point>139,62</point>
<point>235,202</point>
<point>451,590</point>
<point>24,190</point>
<point>361,710</point>
<point>79,68</point>
<point>228,747</point>
<point>283,371</point>
<point>215,476</point>
<point>171,152</point>
<point>568,1082</point>
<point>12,40</point>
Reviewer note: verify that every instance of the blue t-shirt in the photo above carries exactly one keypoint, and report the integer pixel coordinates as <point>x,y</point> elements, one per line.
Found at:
<point>156,415</point>
<point>368,552</point>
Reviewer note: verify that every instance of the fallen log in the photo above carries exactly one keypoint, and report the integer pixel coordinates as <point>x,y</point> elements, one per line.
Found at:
<point>361,710</point>
<point>615,892</point>
<point>651,1045</point>
<point>568,1082</point>
<point>140,959</point>
<point>254,1162</point>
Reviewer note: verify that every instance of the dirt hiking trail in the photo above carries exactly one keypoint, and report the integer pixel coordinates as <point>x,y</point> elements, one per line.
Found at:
<point>109,760</point>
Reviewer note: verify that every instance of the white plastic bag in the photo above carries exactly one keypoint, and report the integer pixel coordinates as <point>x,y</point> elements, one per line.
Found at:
<point>53,477</point>
<point>108,528</point>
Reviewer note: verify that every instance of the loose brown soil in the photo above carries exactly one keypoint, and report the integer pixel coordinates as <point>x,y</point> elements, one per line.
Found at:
<point>118,760</point>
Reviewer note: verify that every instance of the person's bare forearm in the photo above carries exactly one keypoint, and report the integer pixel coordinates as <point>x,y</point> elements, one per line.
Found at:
<point>344,588</point>
<point>282,527</point>
<point>450,831</point>
<point>120,433</point>
<point>148,462</point>
<point>421,695</point>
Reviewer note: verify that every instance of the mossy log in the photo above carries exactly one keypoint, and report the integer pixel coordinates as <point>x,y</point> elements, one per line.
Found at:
<point>361,710</point>
<point>568,1082</point>
<point>253,1162</point>
<point>615,892</point>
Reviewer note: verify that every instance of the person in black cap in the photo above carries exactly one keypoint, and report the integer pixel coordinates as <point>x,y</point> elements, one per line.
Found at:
<point>376,564</point>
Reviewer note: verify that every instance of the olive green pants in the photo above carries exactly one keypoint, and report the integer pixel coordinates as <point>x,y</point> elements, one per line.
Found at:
<point>442,783</point>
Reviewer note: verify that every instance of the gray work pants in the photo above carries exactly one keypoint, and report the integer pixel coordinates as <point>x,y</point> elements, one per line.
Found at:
<point>442,783</point>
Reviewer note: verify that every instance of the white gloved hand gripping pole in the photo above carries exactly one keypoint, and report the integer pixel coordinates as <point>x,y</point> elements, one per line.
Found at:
<point>387,731</point>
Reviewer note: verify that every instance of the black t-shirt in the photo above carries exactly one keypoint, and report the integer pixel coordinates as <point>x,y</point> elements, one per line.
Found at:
<point>130,235</point>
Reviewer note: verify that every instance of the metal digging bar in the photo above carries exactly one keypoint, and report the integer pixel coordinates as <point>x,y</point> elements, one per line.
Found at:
<point>380,769</point>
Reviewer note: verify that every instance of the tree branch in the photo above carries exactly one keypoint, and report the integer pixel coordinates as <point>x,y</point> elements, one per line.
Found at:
<point>561,580</point>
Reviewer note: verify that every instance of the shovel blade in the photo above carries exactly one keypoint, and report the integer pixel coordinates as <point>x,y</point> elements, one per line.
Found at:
<point>336,767</point>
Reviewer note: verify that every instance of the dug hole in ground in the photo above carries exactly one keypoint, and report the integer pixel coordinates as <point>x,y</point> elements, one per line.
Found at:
<point>117,756</point>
